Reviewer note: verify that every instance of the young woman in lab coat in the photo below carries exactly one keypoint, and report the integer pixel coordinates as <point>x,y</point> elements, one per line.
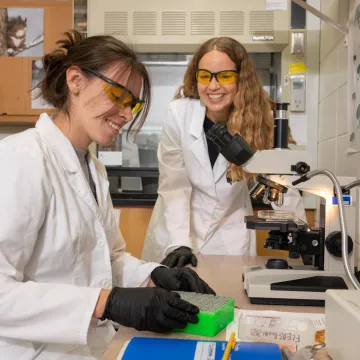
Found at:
<point>63,265</point>
<point>198,210</point>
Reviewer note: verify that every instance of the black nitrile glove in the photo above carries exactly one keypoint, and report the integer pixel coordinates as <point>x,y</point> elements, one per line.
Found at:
<point>183,279</point>
<point>180,257</point>
<point>149,309</point>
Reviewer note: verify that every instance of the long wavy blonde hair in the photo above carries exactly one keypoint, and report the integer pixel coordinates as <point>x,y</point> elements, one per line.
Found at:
<point>252,113</point>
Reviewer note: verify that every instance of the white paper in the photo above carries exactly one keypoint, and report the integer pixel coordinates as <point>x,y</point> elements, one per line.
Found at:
<point>110,158</point>
<point>205,350</point>
<point>276,5</point>
<point>318,320</point>
<point>298,126</point>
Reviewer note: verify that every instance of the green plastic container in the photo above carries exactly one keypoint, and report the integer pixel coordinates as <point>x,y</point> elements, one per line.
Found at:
<point>216,312</point>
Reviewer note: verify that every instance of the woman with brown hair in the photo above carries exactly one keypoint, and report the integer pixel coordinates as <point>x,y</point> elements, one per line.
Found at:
<point>197,209</point>
<point>63,265</point>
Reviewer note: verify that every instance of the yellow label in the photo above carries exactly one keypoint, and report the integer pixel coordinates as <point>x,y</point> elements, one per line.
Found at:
<point>297,68</point>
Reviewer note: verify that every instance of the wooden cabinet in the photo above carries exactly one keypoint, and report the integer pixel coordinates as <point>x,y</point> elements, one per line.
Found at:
<point>134,222</point>
<point>16,72</point>
<point>133,225</point>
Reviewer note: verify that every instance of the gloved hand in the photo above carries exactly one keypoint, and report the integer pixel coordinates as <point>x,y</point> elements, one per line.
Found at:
<point>180,257</point>
<point>183,279</point>
<point>149,309</point>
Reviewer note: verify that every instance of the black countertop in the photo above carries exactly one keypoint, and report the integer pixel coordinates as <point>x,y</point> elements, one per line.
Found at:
<point>140,199</point>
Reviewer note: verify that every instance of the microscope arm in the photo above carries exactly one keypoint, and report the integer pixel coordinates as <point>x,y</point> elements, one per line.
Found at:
<point>351,185</point>
<point>276,161</point>
<point>344,236</point>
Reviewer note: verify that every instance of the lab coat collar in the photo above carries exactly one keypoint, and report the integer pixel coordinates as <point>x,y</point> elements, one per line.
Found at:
<point>197,121</point>
<point>199,146</point>
<point>220,167</point>
<point>66,155</point>
<point>60,144</point>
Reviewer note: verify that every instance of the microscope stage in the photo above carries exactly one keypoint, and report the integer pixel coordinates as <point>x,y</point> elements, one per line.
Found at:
<point>290,286</point>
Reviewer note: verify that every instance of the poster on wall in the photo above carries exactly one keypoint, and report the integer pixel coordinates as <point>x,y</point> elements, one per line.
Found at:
<point>21,32</point>
<point>37,75</point>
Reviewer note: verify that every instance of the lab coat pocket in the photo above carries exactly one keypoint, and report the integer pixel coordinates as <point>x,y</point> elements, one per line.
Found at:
<point>79,276</point>
<point>11,349</point>
<point>112,227</point>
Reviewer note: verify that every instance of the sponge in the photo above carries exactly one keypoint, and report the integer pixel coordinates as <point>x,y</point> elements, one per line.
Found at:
<point>216,312</point>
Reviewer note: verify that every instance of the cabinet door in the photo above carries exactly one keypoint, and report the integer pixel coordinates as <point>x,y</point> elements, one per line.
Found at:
<point>16,71</point>
<point>133,224</point>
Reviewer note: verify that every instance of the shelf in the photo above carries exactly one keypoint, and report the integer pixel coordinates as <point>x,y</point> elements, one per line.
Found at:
<point>18,119</point>
<point>132,171</point>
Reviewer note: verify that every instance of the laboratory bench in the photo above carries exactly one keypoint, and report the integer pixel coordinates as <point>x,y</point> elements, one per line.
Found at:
<point>133,191</point>
<point>134,221</point>
<point>224,275</point>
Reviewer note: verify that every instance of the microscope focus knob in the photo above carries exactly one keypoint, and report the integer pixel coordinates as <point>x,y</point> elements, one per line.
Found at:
<point>277,264</point>
<point>333,244</point>
<point>300,168</point>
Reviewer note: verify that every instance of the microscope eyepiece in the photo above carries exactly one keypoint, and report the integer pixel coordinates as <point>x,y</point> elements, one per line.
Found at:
<point>233,147</point>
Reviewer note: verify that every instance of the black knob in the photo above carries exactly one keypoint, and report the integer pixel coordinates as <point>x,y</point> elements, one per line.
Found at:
<point>300,168</point>
<point>282,106</point>
<point>333,244</point>
<point>277,264</point>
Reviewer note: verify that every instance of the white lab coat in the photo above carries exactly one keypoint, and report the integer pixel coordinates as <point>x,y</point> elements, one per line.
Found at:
<point>58,248</point>
<point>196,206</point>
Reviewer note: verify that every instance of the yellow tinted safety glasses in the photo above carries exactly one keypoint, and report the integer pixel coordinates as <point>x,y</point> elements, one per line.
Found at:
<point>224,77</point>
<point>119,95</point>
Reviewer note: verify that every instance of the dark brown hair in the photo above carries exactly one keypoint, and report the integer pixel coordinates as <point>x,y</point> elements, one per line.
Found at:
<point>95,53</point>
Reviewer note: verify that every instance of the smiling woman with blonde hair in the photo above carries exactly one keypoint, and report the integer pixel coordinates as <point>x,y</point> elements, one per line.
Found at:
<point>198,210</point>
<point>250,114</point>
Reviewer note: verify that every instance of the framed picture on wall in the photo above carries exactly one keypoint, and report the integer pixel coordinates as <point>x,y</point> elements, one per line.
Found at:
<point>21,32</point>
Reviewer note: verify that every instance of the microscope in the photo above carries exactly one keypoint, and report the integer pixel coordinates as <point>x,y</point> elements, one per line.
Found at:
<point>320,247</point>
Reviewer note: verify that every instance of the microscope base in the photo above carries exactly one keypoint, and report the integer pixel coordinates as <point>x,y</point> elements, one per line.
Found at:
<point>294,287</point>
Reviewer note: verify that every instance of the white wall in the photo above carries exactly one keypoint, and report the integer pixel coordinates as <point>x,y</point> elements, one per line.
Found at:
<point>333,135</point>
<point>311,60</point>
<point>334,132</point>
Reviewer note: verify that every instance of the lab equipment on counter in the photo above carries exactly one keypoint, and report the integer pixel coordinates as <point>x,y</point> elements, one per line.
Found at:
<point>216,312</point>
<point>342,312</point>
<point>326,250</point>
<point>262,326</point>
<point>183,349</point>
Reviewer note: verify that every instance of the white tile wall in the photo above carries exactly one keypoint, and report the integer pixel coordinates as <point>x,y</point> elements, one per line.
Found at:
<point>327,117</point>
<point>328,75</point>
<point>329,36</point>
<point>342,63</point>
<point>333,136</point>
<point>334,144</point>
<point>341,122</point>
<point>346,164</point>
<point>326,151</point>
<point>326,5</point>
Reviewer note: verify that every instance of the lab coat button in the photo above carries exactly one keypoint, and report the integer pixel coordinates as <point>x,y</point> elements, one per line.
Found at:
<point>106,284</point>
<point>101,243</point>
